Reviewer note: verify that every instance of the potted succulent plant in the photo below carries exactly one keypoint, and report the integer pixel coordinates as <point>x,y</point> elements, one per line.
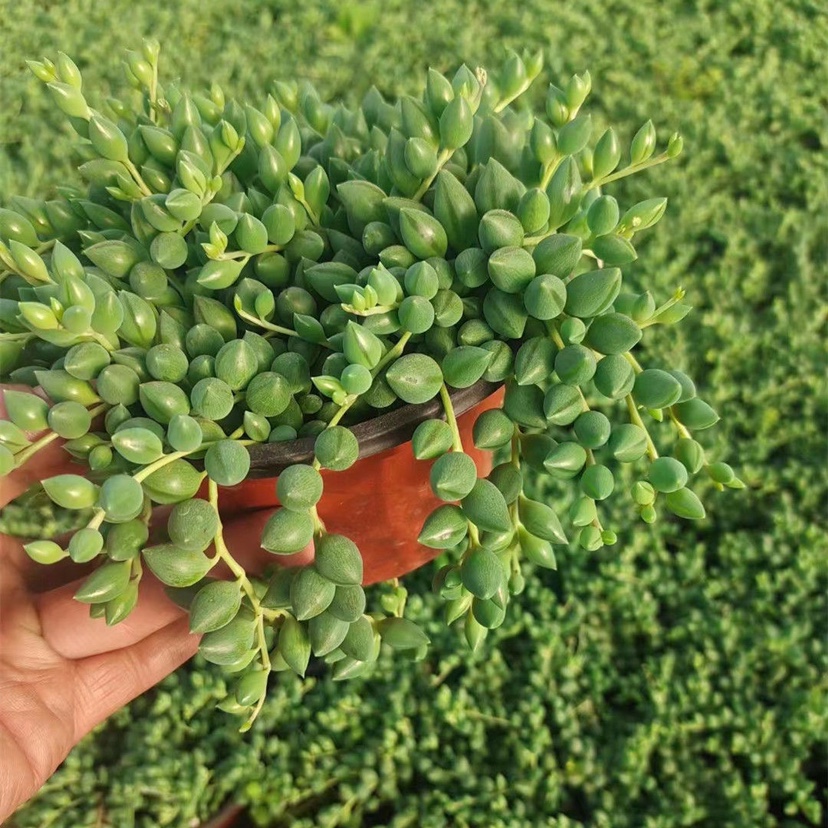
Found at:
<point>343,313</point>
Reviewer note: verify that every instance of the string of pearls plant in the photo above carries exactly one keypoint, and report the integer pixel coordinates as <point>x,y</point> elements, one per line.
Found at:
<point>230,275</point>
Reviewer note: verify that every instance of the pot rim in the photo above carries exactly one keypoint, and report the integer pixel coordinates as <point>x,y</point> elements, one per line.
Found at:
<point>374,435</point>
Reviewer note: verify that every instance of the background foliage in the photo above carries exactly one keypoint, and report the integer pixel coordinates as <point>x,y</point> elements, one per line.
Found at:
<point>676,679</point>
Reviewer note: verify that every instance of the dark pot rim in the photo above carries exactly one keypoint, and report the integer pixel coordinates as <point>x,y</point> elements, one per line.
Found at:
<point>374,435</point>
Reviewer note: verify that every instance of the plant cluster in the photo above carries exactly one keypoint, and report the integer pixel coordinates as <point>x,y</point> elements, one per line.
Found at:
<point>233,276</point>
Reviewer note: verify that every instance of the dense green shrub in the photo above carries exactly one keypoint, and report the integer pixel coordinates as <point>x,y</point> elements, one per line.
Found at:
<point>675,680</point>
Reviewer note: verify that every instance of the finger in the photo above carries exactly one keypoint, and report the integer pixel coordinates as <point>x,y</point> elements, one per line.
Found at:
<point>68,628</point>
<point>106,682</point>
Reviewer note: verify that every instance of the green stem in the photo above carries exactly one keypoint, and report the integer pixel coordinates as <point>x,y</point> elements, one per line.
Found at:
<point>634,362</point>
<point>451,419</point>
<point>635,418</point>
<point>96,520</point>
<point>223,554</point>
<point>143,474</point>
<point>680,427</point>
<point>549,171</point>
<point>555,335</point>
<point>457,445</point>
<point>393,353</point>
<point>502,104</point>
<point>268,326</point>
<point>241,254</point>
<point>442,159</point>
<point>316,220</point>
<point>631,170</point>
<point>677,297</point>
<point>23,456</point>
<point>153,93</point>
<point>371,311</point>
<point>136,176</point>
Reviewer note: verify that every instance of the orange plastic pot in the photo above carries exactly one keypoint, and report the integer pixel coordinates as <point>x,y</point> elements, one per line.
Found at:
<point>382,501</point>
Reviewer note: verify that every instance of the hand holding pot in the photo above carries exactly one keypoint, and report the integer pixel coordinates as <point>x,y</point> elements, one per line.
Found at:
<point>62,672</point>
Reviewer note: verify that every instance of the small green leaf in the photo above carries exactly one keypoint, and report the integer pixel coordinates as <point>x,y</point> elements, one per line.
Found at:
<point>62,387</point>
<point>483,574</point>
<point>592,429</point>
<point>71,491</point>
<point>415,378</point>
<point>230,643</point>
<point>455,210</point>
<point>431,439</point>
<point>628,442</point>
<point>492,429</point>
<point>336,448</point>
<point>524,405</point>
<point>575,365</point>
<point>299,487</point>
<point>287,532</point>
<point>214,606</point>
<point>486,507</point>
<point>565,460</point>
<point>227,462</point>
<point>294,645</point>
<point>359,642</point>
<point>463,366</point>
<point>613,333</point>
<point>511,269</point>
<point>614,250</point>
<point>535,361</point>
<point>137,445</point>
<point>163,400</point>
<point>45,552</point>
<point>193,525</point>
<point>402,634</point>
<point>498,229</point>
<point>614,377</point>
<point>453,476</point>
<point>173,482</point>
<point>268,394</point>
<point>326,633</point>
<point>597,482</point>
<point>590,294</point>
<point>105,583</point>
<point>338,560</point>
<point>685,504</point>
<point>696,414</point>
<point>545,297</point>
<point>175,566</point>
<point>541,520</point>
<point>310,593</point>
<point>422,234</point>
<point>667,474</point>
<point>444,528</point>
<point>656,389</point>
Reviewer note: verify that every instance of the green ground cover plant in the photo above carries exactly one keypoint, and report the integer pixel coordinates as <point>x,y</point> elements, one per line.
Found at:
<point>727,617</point>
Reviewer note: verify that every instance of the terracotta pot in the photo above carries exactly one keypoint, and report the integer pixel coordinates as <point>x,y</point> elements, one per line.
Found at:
<point>383,499</point>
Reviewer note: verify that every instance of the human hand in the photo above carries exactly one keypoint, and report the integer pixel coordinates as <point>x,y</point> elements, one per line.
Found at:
<point>62,672</point>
